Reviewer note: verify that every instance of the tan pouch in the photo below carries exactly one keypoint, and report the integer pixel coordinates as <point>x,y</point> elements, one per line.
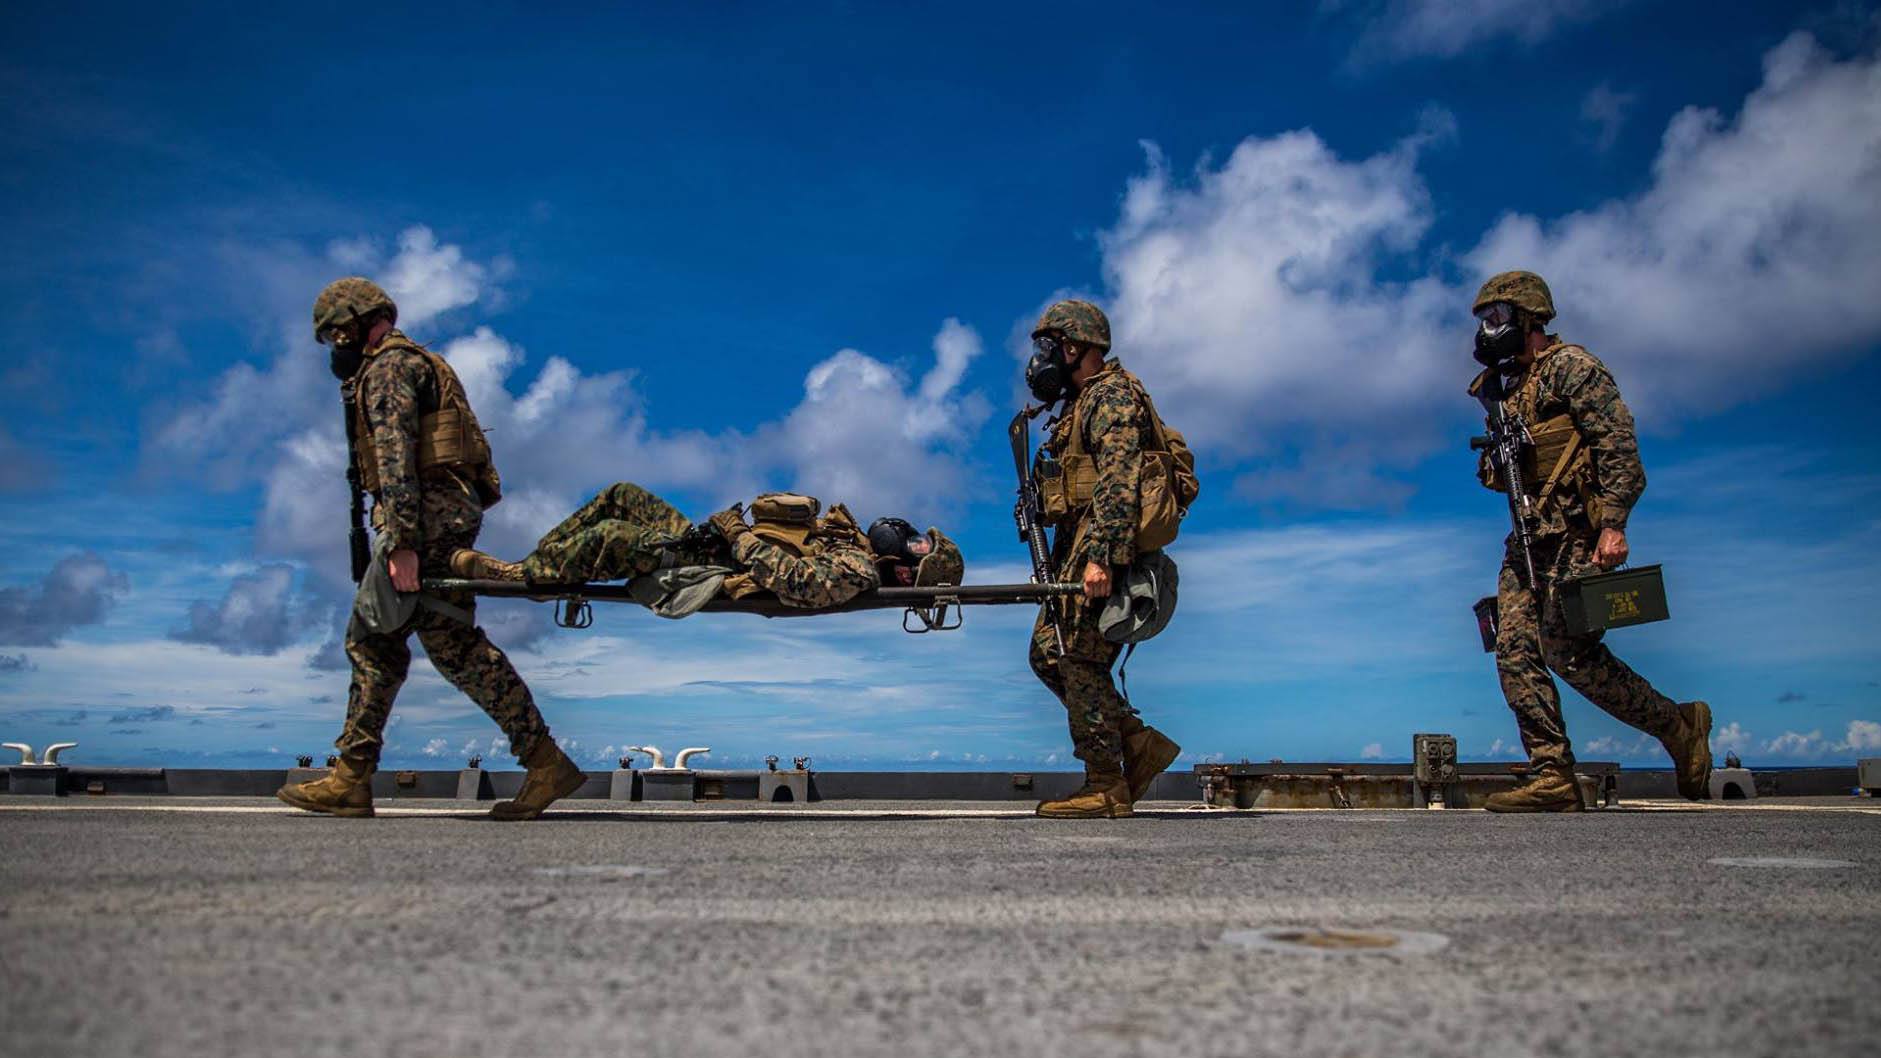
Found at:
<point>787,508</point>
<point>1159,515</point>
<point>1070,489</point>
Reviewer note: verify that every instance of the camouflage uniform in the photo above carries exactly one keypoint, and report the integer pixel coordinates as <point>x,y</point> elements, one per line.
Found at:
<point>627,531</point>
<point>623,532</point>
<point>433,512</point>
<point>1116,426</point>
<point>1566,379</point>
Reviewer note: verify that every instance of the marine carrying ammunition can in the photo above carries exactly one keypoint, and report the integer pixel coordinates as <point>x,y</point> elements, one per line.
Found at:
<point>1614,600</point>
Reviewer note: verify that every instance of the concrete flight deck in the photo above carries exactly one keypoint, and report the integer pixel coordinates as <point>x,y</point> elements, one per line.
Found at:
<point>197,926</point>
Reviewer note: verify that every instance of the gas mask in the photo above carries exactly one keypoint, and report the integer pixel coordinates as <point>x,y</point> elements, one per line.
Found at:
<point>1046,374</point>
<point>894,541</point>
<point>346,349</point>
<point>1499,335</point>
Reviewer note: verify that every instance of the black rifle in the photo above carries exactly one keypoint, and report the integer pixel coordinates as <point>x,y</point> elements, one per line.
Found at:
<point>1028,514</point>
<point>356,537</point>
<point>1507,434</point>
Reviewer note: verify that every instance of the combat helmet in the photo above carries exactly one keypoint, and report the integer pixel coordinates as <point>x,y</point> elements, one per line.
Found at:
<point>1524,290</point>
<point>943,565</point>
<point>352,298</point>
<point>1077,320</point>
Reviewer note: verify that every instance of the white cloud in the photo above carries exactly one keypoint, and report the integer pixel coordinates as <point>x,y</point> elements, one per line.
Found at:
<point>260,613</point>
<point>1250,299</point>
<point>1403,29</point>
<point>1794,744</point>
<point>864,435</point>
<point>1863,735</point>
<point>1754,254</point>
<point>1372,751</point>
<point>428,280</point>
<point>437,747</point>
<point>1260,297</point>
<point>1606,110</point>
<point>1639,747</point>
<point>1730,737</point>
<point>79,590</point>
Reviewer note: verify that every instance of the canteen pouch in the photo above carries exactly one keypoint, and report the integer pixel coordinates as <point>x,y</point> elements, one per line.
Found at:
<point>1488,612</point>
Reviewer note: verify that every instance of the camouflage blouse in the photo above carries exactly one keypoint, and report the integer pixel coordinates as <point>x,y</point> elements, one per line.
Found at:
<point>840,570</point>
<point>1567,379</point>
<point>395,390</point>
<point>1115,426</point>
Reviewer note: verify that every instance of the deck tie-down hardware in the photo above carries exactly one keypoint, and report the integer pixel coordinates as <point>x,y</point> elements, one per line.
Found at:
<point>1369,784</point>
<point>26,753</point>
<point>1434,770</point>
<point>677,782</point>
<point>1340,799</point>
<point>795,786</point>
<point>1733,782</point>
<point>473,783</point>
<point>44,777</point>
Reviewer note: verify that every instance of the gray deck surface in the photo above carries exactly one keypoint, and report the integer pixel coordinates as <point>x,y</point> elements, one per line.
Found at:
<point>171,927</point>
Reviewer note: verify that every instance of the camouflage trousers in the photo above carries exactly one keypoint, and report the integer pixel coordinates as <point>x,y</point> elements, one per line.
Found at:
<point>460,652</point>
<point>621,533</point>
<point>1079,675</point>
<point>1525,652</point>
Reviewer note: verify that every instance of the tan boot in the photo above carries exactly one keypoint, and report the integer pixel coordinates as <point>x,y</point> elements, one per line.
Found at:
<point>475,565</point>
<point>1101,797</point>
<point>552,776</point>
<point>346,791</point>
<point>1146,755</point>
<point>1554,790</point>
<point>1690,746</point>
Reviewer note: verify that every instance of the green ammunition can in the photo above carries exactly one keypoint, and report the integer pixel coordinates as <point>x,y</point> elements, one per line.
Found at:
<point>1614,600</point>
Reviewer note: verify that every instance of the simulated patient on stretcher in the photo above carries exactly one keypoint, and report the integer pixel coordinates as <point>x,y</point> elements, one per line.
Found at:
<point>783,544</point>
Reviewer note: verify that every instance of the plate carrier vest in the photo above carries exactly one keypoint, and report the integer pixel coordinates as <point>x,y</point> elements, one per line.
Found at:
<point>449,437</point>
<point>1556,458</point>
<point>1166,485</point>
<point>789,520</point>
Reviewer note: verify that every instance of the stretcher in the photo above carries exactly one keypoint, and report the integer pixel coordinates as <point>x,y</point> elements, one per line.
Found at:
<point>929,609</point>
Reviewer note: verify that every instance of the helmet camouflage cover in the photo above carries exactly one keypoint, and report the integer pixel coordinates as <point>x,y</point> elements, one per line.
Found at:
<point>943,565</point>
<point>352,298</point>
<point>1524,290</point>
<point>1077,320</point>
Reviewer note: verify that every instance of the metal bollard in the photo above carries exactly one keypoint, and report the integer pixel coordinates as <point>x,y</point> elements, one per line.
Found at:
<point>42,778</point>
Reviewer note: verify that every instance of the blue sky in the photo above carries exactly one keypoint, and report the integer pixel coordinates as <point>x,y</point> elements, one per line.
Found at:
<point>737,247</point>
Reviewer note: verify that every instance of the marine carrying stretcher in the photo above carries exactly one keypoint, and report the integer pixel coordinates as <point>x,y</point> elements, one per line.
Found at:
<point>924,609</point>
